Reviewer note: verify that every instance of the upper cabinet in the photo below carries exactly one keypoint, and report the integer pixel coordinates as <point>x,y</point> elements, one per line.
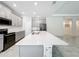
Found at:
<point>16,21</point>
<point>4,12</point>
<point>8,14</point>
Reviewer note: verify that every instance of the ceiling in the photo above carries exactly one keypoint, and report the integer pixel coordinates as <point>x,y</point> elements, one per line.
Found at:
<point>69,8</point>
<point>44,8</point>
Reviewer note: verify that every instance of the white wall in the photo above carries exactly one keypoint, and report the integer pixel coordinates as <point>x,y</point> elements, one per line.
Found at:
<point>27,21</point>
<point>55,25</point>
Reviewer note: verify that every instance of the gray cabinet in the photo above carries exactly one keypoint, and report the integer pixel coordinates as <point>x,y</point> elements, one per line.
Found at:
<point>56,52</point>
<point>19,35</point>
<point>31,51</point>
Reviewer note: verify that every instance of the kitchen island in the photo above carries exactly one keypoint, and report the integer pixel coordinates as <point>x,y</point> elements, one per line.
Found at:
<point>44,41</point>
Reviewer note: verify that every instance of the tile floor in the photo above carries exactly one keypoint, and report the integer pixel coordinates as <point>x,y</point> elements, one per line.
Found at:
<point>72,50</point>
<point>11,52</point>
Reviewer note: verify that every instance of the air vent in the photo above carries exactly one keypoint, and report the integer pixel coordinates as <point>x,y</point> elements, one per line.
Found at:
<point>54,2</point>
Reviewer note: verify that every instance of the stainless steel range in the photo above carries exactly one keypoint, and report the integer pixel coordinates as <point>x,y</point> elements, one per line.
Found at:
<point>6,39</point>
<point>9,39</point>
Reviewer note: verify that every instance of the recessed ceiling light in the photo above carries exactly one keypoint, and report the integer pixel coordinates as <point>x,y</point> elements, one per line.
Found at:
<point>34,13</point>
<point>14,4</point>
<point>35,3</point>
<point>22,12</point>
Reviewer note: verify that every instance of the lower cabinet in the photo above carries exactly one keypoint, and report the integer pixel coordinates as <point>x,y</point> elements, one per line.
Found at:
<point>31,51</point>
<point>56,52</point>
<point>19,35</point>
<point>9,40</point>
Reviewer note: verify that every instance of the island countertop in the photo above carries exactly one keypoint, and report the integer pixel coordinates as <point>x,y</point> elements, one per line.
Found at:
<point>43,38</point>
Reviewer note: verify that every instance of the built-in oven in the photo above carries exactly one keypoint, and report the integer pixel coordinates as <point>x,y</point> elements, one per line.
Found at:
<point>6,39</point>
<point>2,33</point>
<point>9,40</point>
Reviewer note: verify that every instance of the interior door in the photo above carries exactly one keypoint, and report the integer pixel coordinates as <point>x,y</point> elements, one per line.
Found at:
<point>68,25</point>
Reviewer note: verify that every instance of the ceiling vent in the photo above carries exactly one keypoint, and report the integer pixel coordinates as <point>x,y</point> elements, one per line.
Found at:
<point>53,2</point>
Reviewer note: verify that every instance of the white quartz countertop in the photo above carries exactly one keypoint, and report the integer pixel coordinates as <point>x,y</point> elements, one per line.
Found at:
<point>43,38</point>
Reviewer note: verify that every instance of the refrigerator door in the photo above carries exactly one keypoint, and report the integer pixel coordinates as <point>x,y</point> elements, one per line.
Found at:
<point>42,27</point>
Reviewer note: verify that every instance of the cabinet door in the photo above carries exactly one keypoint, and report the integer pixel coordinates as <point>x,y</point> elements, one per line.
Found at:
<point>19,21</point>
<point>31,51</point>
<point>19,35</point>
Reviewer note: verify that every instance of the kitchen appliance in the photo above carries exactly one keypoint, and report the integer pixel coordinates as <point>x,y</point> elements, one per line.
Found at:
<point>4,21</point>
<point>6,39</point>
<point>9,40</point>
<point>43,27</point>
<point>3,31</point>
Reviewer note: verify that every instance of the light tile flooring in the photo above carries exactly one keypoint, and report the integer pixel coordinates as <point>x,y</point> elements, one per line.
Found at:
<point>11,52</point>
<point>71,40</point>
<point>72,50</point>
